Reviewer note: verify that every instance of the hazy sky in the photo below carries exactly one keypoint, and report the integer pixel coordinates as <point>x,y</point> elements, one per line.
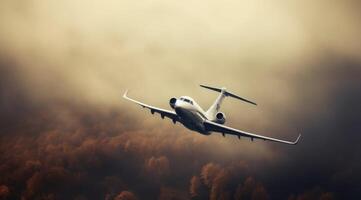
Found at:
<point>64,66</point>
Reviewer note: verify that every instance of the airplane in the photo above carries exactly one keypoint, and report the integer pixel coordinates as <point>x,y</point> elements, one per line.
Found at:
<point>192,116</point>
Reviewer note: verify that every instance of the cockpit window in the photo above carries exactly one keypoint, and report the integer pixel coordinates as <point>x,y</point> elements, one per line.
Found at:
<point>186,100</point>
<point>189,101</point>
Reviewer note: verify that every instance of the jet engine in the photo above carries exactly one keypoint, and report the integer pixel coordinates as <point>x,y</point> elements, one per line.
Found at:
<point>172,102</point>
<point>220,118</point>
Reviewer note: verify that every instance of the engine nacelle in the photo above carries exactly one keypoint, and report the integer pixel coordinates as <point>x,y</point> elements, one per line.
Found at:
<point>220,118</point>
<point>172,102</point>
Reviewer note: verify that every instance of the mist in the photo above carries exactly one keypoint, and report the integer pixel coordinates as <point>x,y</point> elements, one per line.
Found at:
<point>66,133</point>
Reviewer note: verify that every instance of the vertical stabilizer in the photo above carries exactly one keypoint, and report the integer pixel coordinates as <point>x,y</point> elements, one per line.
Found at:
<point>214,109</point>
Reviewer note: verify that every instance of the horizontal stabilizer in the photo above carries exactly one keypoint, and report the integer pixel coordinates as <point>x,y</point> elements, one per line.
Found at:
<point>226,93</point>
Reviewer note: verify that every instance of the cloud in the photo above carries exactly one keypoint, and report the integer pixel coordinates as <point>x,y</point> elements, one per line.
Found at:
<point>234,181</point>
<point>65,133</point>
<point>49,147</point>
<point>172,193</point>
<point>157,166</point>
<point>313,194</point>
<point>250,189</point>
<point>125,195</point>
<point>209,173</point>
<point>4,191</point>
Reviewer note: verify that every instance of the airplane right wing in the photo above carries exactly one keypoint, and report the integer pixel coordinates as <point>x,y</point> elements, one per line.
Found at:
<point>163,113</point>
<point>215,127</point>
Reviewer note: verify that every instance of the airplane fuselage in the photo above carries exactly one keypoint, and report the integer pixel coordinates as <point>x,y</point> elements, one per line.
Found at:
<point>191,115</point>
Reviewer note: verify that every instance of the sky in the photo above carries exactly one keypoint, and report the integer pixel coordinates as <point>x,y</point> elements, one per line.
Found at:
<point>66,133</point>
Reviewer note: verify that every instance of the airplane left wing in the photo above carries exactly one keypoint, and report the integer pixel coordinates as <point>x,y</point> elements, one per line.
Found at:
<point>163,113</point>
<point>215,127</point>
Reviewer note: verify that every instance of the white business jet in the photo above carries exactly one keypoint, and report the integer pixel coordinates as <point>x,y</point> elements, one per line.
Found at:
<point>192,116</point>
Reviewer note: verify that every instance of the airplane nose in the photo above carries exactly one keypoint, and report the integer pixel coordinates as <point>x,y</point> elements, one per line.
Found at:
<point>175,103</point>
<point>179,104</point>
<point>178,107</point>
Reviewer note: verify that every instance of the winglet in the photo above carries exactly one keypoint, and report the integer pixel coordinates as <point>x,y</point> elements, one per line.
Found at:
<point>125,94</point>
<point>296,141</point>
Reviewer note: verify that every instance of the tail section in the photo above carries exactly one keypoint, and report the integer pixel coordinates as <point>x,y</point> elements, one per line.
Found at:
<point>226,93</point>
<point>213,110</point>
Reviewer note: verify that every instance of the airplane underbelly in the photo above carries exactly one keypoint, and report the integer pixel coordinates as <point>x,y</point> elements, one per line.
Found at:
<point>191,120</point>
